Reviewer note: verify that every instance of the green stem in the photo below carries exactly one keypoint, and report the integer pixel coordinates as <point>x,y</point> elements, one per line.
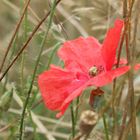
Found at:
<point>105,127</point>
<point>77,109</point>
<point>35,70</point>
<point>73,120</point>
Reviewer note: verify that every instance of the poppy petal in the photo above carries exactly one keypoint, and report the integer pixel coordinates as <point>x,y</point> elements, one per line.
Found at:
<point>62,110</point>
<point>56,85</point>
<point>111,43</point>
<point>137,67</point>
<point>81,54</point>
<point>107,77</point>
<point>73,95</point>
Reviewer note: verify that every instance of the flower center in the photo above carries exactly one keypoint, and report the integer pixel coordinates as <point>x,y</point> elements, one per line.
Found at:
<point>93,71</point>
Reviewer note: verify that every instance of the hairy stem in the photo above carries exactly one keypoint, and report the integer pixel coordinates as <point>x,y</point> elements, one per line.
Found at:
<point>35,69</point>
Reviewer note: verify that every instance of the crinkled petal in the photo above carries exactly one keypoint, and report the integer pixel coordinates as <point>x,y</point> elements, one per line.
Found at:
<point>98,81</point>
<point>81,54</point>
<point>62,111</point>
<point>111,43</point>
<point>107,77</point>
<point>56,85</point>
<point>73,95</point>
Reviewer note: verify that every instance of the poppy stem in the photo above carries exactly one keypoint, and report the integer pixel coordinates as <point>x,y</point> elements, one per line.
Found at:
<point>73,120</point>
<point>129,49</point>
<point>77,108</point>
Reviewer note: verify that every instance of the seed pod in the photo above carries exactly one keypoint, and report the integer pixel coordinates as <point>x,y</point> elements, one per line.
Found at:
<point>5,100</point>
<point>88,120</point>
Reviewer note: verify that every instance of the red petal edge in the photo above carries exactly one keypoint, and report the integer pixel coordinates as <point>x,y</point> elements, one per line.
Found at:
<point>111,43</point>
<point>137,67</point>
<point>107,77</point>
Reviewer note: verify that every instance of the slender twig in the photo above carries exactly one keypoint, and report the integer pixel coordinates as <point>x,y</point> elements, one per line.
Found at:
<point>130,77</point>
<point>14,34</point>
<point>26,44</point>
<point>73,120</point>
<point>117,65</point>
<point>114,83</point>
<point>25,22</point>
<point>123,125</point>
<point>133,108</point>
<point>128,127</point>
<point>77,109</point>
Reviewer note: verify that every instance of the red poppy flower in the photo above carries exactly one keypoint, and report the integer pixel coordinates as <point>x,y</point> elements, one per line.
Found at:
<point>87,63</point>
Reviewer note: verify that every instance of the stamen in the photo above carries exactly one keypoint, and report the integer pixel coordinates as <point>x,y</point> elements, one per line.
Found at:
<point>93,71</point>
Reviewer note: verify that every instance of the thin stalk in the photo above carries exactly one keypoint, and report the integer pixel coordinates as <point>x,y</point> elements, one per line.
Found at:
<point>130,78</point>
<point>123,125</point>
<point>74,117</point>
<point>105,127</point>
<point>77,109</point>
<point>26,44</point>
<point>14,35</point>
<point>128,127</point>
<point>23,54</point>
<point>114,84</point>
<point>73,120</point>
<point>35,69</point>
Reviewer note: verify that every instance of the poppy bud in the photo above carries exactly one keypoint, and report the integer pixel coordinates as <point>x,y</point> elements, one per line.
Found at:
<point>88,119</point>
<point>95,97</point>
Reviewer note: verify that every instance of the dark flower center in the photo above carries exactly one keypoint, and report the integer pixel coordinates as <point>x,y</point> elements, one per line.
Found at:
<point>93,71</point>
